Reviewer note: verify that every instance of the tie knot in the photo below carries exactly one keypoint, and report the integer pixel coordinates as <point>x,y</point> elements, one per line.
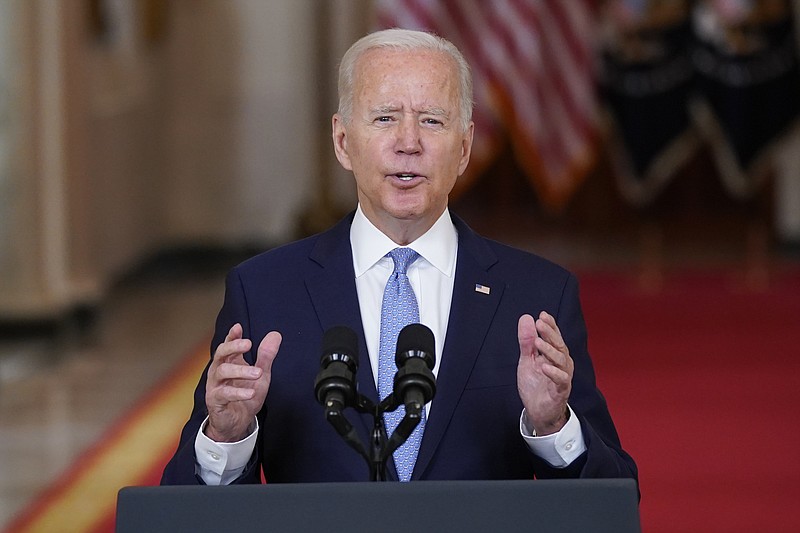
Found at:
<point>402,257</point>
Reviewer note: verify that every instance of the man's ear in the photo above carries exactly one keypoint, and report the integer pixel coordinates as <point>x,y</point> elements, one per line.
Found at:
<point>466,148</point>
<point>340,141</point>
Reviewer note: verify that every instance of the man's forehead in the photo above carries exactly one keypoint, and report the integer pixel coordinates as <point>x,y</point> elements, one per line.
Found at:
<point>393,69</point>
<point>421,58</point>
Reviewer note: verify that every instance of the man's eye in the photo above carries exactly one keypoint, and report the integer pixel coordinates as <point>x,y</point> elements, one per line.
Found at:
<point>432,121</point>
<point>383,119</point>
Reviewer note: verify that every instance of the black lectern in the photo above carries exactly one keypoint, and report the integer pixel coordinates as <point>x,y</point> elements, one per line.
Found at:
<point>597,505</point>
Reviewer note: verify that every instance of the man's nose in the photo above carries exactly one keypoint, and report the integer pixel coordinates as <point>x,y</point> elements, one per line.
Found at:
<point>408,139</point>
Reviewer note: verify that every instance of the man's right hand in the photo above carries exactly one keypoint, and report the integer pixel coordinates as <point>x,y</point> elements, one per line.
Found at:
<point>235,391</point>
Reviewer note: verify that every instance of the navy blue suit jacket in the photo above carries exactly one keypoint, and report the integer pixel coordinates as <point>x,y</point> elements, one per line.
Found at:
<point>306,287</point>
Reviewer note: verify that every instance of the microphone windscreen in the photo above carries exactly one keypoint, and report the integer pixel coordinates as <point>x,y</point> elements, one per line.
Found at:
<point>416,337</point>
<point>340,340</point>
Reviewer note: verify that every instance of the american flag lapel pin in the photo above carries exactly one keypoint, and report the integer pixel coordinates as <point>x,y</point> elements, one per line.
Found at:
<point>483,289</point>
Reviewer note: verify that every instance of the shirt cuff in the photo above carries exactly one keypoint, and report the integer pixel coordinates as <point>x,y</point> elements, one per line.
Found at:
<point>219,463</point>
<point>559,449</point>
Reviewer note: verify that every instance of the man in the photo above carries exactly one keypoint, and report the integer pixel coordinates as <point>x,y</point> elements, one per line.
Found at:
<point>516,394</point>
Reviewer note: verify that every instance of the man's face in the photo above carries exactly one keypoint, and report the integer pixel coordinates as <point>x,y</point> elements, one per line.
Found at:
<point>404,142</point>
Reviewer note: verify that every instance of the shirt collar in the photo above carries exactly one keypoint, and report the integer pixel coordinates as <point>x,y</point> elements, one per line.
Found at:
<point>437,246</point>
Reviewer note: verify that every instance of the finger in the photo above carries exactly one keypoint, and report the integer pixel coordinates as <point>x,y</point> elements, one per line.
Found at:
<point>268,350</point>
<point>546,321</point>
<point>234,333</point>
<point>228,352</point>
<point>553,355</point>
<point>526,334</point>
<point>228,393</point>
<point>560,378</point>
<point>223,349</point>
<point>548,330</point>
<point>227,371</point>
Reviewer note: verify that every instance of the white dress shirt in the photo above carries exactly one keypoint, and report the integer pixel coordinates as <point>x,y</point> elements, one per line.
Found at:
<point>431,276</point>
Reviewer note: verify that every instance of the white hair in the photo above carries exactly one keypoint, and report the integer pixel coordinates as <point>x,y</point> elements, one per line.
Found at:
<point>403,40</point>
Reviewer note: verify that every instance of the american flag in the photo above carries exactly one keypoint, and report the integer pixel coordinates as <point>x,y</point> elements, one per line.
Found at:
<point>533,71</point>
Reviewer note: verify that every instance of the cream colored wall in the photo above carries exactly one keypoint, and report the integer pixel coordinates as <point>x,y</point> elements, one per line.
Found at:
<point>33,258</point>
<point>123,148</point>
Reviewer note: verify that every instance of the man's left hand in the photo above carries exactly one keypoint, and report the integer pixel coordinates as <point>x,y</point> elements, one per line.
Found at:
<point>544,373</point>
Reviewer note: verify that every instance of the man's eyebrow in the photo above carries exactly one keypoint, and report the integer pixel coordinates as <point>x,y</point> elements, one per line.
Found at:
<point>437,111</point>
<point>388,108</point>
<point>384,109</point>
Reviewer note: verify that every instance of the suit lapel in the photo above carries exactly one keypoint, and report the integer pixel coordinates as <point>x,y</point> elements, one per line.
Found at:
<point>330,281</point>
<point>471,314</point>
<point>331,286</point>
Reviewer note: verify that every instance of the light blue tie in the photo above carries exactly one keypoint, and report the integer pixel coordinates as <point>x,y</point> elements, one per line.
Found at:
<point>399,309</point>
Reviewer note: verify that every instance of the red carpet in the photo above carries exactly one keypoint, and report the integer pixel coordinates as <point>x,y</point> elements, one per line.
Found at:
<point>702,377</point>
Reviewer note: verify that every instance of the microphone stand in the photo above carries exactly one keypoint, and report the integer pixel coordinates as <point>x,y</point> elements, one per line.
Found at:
<point>380,448</point>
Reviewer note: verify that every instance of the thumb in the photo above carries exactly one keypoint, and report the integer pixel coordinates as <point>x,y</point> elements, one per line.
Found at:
<point>268,350</point>
<point>526,334</point>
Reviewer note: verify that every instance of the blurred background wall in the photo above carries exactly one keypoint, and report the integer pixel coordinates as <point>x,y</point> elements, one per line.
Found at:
<point>128,127</point>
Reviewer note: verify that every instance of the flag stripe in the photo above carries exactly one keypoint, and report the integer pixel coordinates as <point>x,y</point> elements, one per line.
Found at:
<point>533,72</point>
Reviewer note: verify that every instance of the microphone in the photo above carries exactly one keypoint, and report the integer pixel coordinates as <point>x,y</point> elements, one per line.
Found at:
<point>414,383</point>
<point>335,386</point>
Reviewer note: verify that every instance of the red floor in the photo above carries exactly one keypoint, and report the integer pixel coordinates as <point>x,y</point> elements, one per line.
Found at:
<point>703,379</point>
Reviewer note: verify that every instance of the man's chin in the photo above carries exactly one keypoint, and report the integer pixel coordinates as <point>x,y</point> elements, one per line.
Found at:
<point>407,211</point>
